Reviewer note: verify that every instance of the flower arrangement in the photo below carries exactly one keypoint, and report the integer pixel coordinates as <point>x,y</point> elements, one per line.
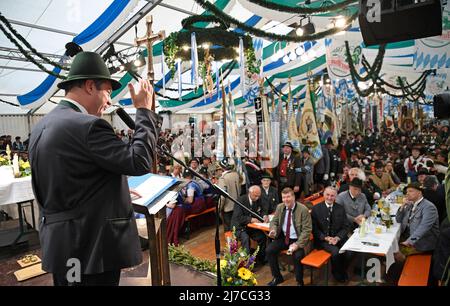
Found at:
<point>25,168</point>
<point>237,265</point>
<point>4,161</point>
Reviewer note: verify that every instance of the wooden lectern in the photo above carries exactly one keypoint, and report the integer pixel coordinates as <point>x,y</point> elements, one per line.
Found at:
<point>155,217</point>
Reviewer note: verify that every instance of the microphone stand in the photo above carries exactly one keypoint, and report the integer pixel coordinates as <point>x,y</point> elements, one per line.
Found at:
<point>220,192</point>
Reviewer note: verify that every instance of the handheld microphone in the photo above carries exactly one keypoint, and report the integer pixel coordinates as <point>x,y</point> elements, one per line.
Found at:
<point>126,118</point>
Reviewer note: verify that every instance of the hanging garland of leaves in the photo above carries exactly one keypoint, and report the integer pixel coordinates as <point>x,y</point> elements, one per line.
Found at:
<point>222,44</point>
<point>302,9</point>
<point>26,43</point>
<point>411,92</point>
<point>228,69</point>
<point>270,36</point>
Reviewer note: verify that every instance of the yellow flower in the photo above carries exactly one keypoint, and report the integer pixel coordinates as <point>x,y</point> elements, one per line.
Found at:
<point>26,165</point>
<point>244,273</point>
<point>229,279</point>
<point>255,282</point>
<point>223,263</point>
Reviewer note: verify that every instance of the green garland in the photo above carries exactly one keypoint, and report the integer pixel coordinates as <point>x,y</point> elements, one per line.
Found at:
<point>260,33</point>
<point>226,41</point>
<point>226,72</point>
<point>27,44</point>
<point>189,22</point>
<point>179,255</point>
<point>373,73</point>
<point>301,9</point>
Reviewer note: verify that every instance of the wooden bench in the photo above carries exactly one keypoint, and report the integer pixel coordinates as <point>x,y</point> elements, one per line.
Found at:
<point>189,217</point>
<point>317,259</point>
<point>415,271</point>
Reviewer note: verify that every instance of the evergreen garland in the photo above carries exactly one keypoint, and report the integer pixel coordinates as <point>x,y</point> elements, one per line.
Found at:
<point>228,69</point>
<point>411,92</point>
<point>271,36</point>
<point>301,9</point>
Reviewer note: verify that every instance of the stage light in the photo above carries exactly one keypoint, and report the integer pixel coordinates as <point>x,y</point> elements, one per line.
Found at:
<point>340,22</point>
<point>274,57</point>
<point>185,48</point>
<point>285,59</point>
<point>205,46</point>
<point>140,60</point>
<point>299,31</point>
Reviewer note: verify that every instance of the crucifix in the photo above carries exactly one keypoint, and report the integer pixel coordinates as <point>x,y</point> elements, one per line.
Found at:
<point>148,41</point>
<point>156,224</point>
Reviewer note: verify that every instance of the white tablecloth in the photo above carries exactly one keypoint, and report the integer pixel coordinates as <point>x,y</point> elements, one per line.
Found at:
<point>16,190</point>
<point>387,243</point>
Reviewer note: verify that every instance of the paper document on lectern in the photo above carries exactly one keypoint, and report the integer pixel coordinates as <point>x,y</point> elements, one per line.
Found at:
<point>153,190</point>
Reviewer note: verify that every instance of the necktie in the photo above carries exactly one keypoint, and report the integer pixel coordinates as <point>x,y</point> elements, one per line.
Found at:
<point>329,221</point>
<point>288,227</point>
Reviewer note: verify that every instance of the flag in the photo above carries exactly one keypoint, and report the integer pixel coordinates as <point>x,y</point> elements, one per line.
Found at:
<point>309,135</point>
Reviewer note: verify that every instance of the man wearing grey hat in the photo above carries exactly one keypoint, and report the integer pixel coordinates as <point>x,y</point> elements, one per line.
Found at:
<point>419,222</point>
<point>79,176</point>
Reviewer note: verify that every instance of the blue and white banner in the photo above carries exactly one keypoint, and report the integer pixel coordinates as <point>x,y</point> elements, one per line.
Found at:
<point>102,28</point>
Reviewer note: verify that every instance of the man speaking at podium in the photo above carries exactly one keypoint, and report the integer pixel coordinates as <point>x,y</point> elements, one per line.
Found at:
<point>79,171</point>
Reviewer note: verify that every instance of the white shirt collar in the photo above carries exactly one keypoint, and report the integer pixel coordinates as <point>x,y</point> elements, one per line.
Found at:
<point>329,205</point>
<point>417,202</point>
<point>81,107</point>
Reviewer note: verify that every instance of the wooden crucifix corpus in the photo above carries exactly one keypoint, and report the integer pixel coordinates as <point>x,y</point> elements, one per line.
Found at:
<point>148,41</point>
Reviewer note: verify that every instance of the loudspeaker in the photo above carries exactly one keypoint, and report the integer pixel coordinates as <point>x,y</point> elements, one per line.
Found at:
<point>398,20</point>
<point>441,105</point>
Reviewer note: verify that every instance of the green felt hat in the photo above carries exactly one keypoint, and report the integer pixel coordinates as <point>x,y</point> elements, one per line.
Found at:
<point>88,66</point>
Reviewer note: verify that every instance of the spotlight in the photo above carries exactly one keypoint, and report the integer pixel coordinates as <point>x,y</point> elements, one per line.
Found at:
<point>205,46</point>
<point>274,57</point>
<point>306,29</point>
<point>140,60</point>
<point>285,59</point>
<point>185,48</point>
<point>73,49</point>
<point>340,22</point>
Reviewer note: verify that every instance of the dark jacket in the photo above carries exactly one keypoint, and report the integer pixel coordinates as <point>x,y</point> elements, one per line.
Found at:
<point>241,217</point>
<point>438,199</point>
<point>270,200</point>
<point>292,173</point>
<point>339,223</point>
<point>79,180</point>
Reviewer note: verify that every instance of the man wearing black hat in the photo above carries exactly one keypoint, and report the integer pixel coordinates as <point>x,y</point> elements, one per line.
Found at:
<point>79,176</point>
<point>354,202</point>
<point>419,222</point>
<point>269,194</point>
<point>287,172</point>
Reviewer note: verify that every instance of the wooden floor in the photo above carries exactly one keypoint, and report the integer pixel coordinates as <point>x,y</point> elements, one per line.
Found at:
<point>201,244</point>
